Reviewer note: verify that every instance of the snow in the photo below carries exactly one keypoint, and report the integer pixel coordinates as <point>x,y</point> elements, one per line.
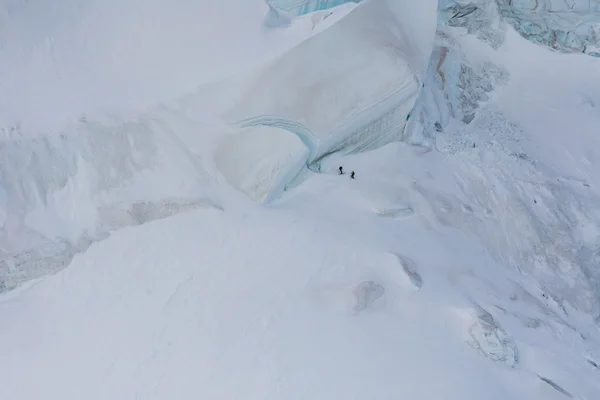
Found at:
<point>263,301</point>
<point>99,58</point>
<point>115,162</point>
<point>193,238</point>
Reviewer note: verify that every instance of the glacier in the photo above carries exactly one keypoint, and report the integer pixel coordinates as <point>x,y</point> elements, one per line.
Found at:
<point>415,97</point>
<point>191,237</point>
<point>102,159</point>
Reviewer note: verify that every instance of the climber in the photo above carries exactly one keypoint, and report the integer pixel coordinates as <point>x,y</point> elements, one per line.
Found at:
<point>352,175</point>
<point>341,170</point>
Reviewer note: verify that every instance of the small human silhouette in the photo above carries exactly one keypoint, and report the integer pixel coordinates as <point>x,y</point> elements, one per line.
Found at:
<point>341,170</point>
<point>352,175</point>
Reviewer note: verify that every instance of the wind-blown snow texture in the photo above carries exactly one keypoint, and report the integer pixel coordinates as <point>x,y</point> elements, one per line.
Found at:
<point>211,248</point>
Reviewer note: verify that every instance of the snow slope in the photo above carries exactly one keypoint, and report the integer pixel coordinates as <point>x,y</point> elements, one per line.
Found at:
<point>317,296</point>
<point>461,268</point>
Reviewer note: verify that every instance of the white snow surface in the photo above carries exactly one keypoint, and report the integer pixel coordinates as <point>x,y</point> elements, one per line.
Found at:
<point>468,270</point>
<point>105,57</point>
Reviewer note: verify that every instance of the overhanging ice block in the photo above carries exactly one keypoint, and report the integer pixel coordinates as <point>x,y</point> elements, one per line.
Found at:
<point>336,86</point>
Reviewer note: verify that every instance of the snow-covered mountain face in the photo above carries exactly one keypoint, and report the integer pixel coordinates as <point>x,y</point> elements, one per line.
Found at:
<point>171,169</point>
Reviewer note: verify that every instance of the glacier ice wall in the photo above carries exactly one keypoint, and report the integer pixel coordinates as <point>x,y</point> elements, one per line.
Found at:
<point>455,86</point>
<point>358,95</point>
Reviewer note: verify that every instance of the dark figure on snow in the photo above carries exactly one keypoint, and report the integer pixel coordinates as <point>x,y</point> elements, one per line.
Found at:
<point>341,170</point>
<point>352,175</point>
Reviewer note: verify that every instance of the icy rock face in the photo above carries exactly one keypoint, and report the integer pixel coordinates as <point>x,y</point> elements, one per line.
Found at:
<point>568,26</point>
<point>455,86</point>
